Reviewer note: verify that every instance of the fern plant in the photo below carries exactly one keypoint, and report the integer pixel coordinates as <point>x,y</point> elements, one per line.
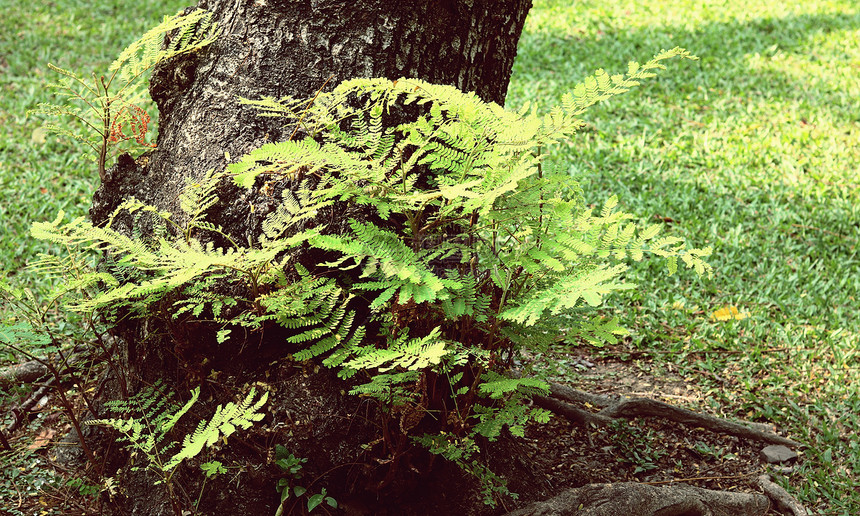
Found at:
<point>474,252</point>
<point>107,109</point>
<point>467,254</point>
<point>150,417</point>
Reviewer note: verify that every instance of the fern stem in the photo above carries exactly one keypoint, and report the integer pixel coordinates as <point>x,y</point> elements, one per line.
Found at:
<point>106,123</point>
<point>308,107</point>
<point>67,407</point>
<point>70,411</point>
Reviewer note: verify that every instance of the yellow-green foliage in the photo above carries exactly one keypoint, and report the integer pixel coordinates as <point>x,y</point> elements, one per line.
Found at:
<point>186,32</point>
<point>470,256</point>
<point>150,416</point>
<point>520,249</point>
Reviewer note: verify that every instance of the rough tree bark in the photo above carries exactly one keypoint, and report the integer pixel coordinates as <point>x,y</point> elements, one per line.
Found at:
<point>277,48</point>
<point>293,48</point>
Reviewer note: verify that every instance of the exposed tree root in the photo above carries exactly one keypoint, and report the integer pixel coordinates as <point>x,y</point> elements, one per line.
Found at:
<point>28,372</point>
<point>633,499</point>
<point>22,409</point>
<point>562,398</point>
<point>784,501</point>
<point>636,499</point>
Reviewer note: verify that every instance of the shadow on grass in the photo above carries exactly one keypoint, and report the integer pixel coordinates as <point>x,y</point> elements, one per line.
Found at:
<point>721,46</point>
<point>772,241</point>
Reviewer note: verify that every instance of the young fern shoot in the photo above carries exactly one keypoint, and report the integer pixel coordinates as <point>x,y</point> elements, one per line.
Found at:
<point>149,417</point>
<point>107,108</point>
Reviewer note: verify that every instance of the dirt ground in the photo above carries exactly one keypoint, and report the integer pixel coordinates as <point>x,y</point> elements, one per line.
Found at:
<point>561,454</point>
<point>644,450</point>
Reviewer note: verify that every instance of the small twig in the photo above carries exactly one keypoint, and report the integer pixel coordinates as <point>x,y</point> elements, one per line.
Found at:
<point>24,407</point>
<point>120,378</point>
<point>310,103</point>
<point>61,391</point>
<point>695,479</point>
<point>105,132</point>
<point>74,377</point>
<point>716,377</point>
<point>20,496</point>
<point>70,413</point>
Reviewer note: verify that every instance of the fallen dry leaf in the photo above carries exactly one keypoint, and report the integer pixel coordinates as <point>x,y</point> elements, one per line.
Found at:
<point>727,313</point>
<point>42,438</point>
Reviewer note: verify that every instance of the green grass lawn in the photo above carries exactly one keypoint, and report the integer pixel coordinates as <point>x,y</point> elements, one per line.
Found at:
<point>754,149</point>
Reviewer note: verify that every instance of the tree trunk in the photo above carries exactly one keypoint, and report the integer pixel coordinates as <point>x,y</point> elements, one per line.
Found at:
<point>295,48</point>
<point>277,48</point>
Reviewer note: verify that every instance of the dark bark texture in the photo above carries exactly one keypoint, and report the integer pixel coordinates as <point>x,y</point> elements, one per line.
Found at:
<point>293,48</point>
<point>278,48</point>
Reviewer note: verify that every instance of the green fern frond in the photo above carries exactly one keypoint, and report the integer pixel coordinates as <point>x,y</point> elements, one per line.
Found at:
<point>346,348</point>
<point>168,266</point>
<point>512,414</point>
<point>224,423</point>
<point>149,417</point>
<point>388,258</point>
<point>199,195</point>
<point>597,331</point>
<point>389,387</point>
<point>466,300</point>
<point>295,207</point>
<point>496,386</point>
<point>403,352</point>
<point>100,110</point>
<point>187,32</point>
<point>168,424</point>
<point>465,233</point>
<point>565,293</point>
<point>602,86</point>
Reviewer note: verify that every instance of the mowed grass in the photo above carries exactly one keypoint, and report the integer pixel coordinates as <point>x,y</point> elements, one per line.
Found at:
<point>754,150</point>
<point>41,174</point>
